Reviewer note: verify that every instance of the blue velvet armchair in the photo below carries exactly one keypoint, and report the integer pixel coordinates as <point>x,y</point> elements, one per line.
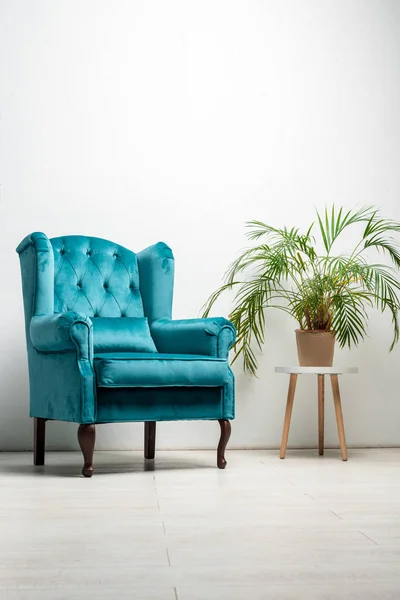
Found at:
<point>103,348</point>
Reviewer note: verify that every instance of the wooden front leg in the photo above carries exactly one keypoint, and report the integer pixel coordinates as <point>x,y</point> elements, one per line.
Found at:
<point>225,435</point>
<point>87,438</point>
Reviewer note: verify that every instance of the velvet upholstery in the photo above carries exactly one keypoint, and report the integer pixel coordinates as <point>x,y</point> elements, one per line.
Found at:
<point>135,369</point>
<point>60,332</point>
<point>212,337</point>
<point>102,345</point>
<point>131,334</point>
<point>96,278</point>
<point>116,405</point>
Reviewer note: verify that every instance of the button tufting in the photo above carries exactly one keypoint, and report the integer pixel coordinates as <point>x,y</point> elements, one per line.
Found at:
<point>120,280</point>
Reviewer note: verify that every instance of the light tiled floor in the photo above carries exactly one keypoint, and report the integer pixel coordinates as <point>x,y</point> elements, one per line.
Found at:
<point>308,527</point>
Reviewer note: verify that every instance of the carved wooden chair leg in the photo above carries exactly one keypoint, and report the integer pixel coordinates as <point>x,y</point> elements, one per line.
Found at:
<point>87,438</point>
<point>39,440</point>
<point>149,439</point>
<point>225,435</point>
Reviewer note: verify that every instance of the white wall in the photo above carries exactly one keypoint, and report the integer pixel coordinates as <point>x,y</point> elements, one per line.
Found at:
<point>141,121</point>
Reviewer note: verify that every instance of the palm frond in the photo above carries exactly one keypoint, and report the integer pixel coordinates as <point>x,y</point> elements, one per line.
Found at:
<point>249,319</point>
<point>349,319</point>
<point>378,225</point>
<point>258,229</point>
<point>206,308</point>
<point>386,290</point>
<point>333,223</point>
<point>386,245</point>
<point>250,257</point>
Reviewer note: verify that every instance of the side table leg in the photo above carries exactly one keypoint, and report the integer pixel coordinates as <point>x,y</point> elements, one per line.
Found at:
<point>339,415</point>
<point>321,407</point>
<point>288,413</point>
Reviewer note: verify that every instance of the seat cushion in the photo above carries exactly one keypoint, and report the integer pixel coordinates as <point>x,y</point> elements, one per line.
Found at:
<point>122,334</point>
<point>131,369</point>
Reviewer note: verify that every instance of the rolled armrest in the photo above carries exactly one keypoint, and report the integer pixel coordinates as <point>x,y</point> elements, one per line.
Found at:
<point>211,337</point>
<point>61,332</point>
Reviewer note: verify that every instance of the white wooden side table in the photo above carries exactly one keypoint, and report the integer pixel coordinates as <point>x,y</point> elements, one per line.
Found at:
<point>334,373</point>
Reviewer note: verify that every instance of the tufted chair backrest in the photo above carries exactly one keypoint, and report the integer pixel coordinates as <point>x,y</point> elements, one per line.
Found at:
<point>95,277</point>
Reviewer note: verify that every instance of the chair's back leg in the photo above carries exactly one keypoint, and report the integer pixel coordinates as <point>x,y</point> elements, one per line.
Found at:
<point>39,440</point>
<point>149,439</point>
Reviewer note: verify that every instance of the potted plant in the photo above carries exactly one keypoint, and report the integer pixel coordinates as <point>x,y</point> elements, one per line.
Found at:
<point>327,292</point>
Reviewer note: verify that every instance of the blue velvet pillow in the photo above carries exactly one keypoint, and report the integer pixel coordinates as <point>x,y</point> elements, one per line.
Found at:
<point>122,334</point>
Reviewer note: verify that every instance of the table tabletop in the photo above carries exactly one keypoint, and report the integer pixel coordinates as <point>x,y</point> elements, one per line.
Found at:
<point>296,370</point>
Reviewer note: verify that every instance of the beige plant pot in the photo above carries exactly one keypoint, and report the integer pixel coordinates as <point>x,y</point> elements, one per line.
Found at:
<point>315,348</point>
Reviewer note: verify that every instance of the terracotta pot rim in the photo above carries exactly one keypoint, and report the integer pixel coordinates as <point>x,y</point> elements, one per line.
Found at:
<point>314,331</point>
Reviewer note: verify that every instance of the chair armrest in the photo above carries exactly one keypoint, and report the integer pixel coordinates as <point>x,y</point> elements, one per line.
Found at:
<point>211,337</point>
<point>63,332</point>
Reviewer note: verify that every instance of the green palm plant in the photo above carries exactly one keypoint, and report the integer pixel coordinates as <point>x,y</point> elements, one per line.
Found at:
<point>324,290</point>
